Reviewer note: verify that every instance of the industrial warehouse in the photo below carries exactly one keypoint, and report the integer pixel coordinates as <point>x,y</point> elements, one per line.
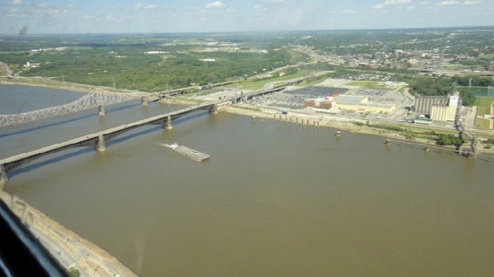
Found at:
<point>339,99</point>
<point>346,101</point>
<point>440,108</point>
<point>353,103</point>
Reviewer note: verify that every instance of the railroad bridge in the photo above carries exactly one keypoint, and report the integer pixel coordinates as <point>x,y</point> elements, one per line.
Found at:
<point>96,98</point>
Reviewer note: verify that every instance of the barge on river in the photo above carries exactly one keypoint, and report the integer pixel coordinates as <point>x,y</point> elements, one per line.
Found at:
<point>188,152</point>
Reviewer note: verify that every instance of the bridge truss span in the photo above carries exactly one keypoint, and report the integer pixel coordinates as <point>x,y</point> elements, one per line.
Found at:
<point>94,99</point>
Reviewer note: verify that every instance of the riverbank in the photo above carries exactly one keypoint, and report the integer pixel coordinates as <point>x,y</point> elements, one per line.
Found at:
<point>45,84</point>
<point>72,251</point>
<point>351,125</point>
<point>54,84</point>
<point>322,121</point>
<point>341,124</point>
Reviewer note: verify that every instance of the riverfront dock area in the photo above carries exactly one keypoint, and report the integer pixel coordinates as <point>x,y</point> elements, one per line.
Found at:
<point>188,152</point>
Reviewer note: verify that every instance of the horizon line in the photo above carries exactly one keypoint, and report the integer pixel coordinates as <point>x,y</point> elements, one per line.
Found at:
<point>253,31</point>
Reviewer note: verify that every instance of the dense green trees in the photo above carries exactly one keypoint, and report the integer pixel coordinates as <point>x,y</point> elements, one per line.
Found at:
<point>150,72</point>
<point>442,85</point>
<point>147,62</point>
<point>467,98</point>
<point>448,139</point>
<point>181,59</point>
<point>474,80</point>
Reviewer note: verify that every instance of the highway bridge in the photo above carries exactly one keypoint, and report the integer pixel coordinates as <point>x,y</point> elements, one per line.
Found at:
<point>96,98</point>
<point>98,140</point>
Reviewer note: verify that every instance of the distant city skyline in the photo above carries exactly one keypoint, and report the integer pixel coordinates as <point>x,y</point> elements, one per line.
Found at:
<point>19,17</point>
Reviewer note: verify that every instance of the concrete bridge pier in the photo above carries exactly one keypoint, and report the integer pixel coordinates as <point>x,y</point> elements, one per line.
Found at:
<point>475,148</point>
<point>3,177</point>
<point>101,110</point>
<point>167,123</point>
<point>101,146</point>
<point>213,109</point>
<point>144,101</point>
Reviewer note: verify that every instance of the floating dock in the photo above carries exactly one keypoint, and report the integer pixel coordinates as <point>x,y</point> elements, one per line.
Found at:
<point>188,152</point>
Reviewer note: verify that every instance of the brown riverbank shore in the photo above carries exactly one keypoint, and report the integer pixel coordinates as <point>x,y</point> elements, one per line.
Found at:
<point>46,84</point>
<point>340,124</point>
<point>67,247</point>
<point>53,84</point>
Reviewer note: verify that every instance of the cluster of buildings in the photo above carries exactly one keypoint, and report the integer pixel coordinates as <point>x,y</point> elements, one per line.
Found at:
<point>32,51</point>
<point>430,108</point>
<point>354,103</point>
<point>440,108</point>
<point>31,65</point>
<point>410,57</point>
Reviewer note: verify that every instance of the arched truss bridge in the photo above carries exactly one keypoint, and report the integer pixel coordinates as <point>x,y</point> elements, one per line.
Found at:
<point>94,99</point>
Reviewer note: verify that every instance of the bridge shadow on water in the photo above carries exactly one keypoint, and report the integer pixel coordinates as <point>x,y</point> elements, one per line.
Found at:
<point>91,149</point>
<point>65,121</point>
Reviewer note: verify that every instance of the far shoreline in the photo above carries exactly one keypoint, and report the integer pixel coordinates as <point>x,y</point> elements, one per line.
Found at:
<point>73,88</point>
<point>48,83</point>
<point>347,125</point>
<point>340,123</point>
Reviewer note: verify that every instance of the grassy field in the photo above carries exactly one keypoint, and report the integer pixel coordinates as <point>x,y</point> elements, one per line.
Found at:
<point>187,99</point>
<point>296,57</point>
<point>402,89</point>
<point>258,84</point>
<point>484,107</point>
<point>484,104</point>
<point>481,123</point>
<point>369,85</point>
<point>315,80</point>
<point>477,91</point>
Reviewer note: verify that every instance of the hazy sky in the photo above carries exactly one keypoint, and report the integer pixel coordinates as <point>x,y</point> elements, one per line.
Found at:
<point>153,16</point>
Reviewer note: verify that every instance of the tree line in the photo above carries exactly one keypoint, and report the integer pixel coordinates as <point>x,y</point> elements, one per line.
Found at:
<point>136,70</point>
<point>442,85</point>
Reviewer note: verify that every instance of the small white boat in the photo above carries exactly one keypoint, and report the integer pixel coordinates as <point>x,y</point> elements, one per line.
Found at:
<point>338,133</point>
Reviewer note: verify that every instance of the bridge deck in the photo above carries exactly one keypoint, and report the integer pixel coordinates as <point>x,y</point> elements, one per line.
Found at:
<point>95,136</point>
<point>10,163</point>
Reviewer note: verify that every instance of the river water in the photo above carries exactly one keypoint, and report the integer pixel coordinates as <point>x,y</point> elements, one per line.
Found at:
<point>275,199</point>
